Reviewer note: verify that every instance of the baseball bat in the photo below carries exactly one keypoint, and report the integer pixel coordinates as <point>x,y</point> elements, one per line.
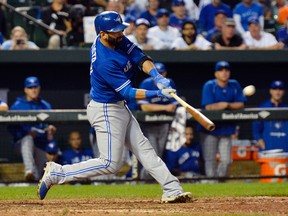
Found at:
<point>197,115</point>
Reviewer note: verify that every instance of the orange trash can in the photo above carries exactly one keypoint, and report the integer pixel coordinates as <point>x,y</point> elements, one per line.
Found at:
<point>273,163</point>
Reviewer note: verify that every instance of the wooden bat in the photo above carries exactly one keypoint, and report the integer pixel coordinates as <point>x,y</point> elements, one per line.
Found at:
<point>197,115</point>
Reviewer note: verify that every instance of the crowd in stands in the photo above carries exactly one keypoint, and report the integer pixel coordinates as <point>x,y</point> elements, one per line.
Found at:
<point>157,24</point>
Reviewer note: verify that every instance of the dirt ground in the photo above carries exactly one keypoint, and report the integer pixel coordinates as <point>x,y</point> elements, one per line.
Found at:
<point>112,207</point>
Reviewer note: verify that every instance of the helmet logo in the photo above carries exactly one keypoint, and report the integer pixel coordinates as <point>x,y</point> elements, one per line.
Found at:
<point>118,19</point>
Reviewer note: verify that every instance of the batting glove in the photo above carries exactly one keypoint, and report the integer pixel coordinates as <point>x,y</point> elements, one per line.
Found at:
<point>166,92</point>
<point>161,81</point>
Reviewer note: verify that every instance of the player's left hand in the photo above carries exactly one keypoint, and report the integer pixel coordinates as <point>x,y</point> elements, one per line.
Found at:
<point>162,82</point>
<point>166,92</point>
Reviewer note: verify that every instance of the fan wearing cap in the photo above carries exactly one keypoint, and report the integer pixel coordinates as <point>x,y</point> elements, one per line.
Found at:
<point>255,38</point>
<point>141,39</point>
<point>190,39</point>
<point>167,34</point>
<point>243,11</point>
<point>207,13</point>
<point>221,93</point>
<point>272,134</point>
<point>179,14</point>
<point>32,138</point>
<point>219,19</point>
<point>151,13</point>
<point>156,133</point>
<point>228,39</point>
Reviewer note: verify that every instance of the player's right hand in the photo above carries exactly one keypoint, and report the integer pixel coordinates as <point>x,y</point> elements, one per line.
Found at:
<point>166,92</point>
<point>162,82</point>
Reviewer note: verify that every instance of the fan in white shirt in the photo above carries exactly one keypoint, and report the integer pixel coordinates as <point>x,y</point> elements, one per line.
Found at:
<point>140,38</point>
<point>255,38</point>
<point>167,34</point>
<point>190,40</point>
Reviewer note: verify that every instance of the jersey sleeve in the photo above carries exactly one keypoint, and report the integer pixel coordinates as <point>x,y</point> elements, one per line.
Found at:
<point>114,76</point>
<point>207,94</point>
<point>132,50</point>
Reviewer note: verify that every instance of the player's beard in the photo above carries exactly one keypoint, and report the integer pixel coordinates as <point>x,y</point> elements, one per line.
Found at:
<point>115,41</point>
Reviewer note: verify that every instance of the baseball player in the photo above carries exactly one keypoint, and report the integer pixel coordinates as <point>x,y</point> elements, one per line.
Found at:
<point>272,134</point>
<point>113,60</point>
<point>221,93</point>
<point>32,138</point>
<point>156,132</point>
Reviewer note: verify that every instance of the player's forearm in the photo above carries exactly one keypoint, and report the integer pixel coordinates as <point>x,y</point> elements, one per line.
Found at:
<point>235,105</point>
<point>147,66</point>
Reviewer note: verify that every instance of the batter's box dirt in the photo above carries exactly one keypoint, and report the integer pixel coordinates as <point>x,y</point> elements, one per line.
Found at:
<point>115,207</point>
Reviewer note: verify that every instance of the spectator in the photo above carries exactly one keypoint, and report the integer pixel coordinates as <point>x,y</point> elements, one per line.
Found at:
<point>151,12</point>
<point>167,34</point>
<point>75,37</point>
<point>179,14</point>
<point>228,39</point>
<point>192,10</point>
<point>190,39</point>
<point>19,40</point>
<point>76,153</point>
<point>207,14</point>
<point>157,133</point>
<point>32,138</point>
<point>53,152</point>
<point>221,93</point>
<point>272,134</point>
<point>282,34</point>
<point>141,39</point>
<point>130,29</point>
<point>219,20</point>
<point>186,161</point>
<point>56,16</point>
<point>255,38</point>
<point>3,106</point>
<point>282,15</point>
<point>276,5</point>
<point>243,11</point>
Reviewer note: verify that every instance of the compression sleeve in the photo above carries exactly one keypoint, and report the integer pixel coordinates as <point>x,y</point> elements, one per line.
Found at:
<point>129,93</point>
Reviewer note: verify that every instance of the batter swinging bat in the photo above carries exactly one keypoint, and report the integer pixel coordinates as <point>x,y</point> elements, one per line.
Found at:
<point>197,115</point>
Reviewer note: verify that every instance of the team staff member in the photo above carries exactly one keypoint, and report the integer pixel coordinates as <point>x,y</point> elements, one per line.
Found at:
<point>272,134</point>
<point>32,138</point>
<point>113,58</point>
<point>221,93</point>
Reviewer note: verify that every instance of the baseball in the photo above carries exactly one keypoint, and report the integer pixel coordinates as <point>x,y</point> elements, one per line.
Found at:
<point>249,90</point>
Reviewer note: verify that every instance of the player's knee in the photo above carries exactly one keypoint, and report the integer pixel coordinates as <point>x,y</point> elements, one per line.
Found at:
<point>113,167</point>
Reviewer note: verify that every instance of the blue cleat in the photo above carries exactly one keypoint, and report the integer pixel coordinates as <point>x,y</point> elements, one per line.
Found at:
<point>180,198</point>
<point>45,183</point>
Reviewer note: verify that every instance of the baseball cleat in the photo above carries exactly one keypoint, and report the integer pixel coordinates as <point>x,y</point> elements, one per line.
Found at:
<point>180,198</point>
<point>45,183</point>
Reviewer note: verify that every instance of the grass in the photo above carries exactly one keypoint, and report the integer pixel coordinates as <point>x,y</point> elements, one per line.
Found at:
<point>146,191</point>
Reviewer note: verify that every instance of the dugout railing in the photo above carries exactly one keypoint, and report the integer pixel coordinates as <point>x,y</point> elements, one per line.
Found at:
<point>245,168</point>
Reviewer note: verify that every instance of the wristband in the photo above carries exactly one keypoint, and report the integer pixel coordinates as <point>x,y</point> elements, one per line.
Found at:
<point>151,93</point>
<point>154,73</point>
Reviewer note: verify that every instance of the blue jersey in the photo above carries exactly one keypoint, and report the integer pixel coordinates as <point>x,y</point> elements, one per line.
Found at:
<point>176,22</point>
<point>207,14</point>
<point>151,18</point>
<point>274,133</point>
<point>149,84</point>
<point>213,93</point>
<point>245,13</point>
<point>185,159</point>
<point>71,156</point>
<point>112,70</point>
<point>19,131</point>
<point>282,35</point>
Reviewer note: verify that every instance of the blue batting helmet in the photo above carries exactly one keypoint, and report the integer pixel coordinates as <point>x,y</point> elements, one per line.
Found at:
<point>109,21</point>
